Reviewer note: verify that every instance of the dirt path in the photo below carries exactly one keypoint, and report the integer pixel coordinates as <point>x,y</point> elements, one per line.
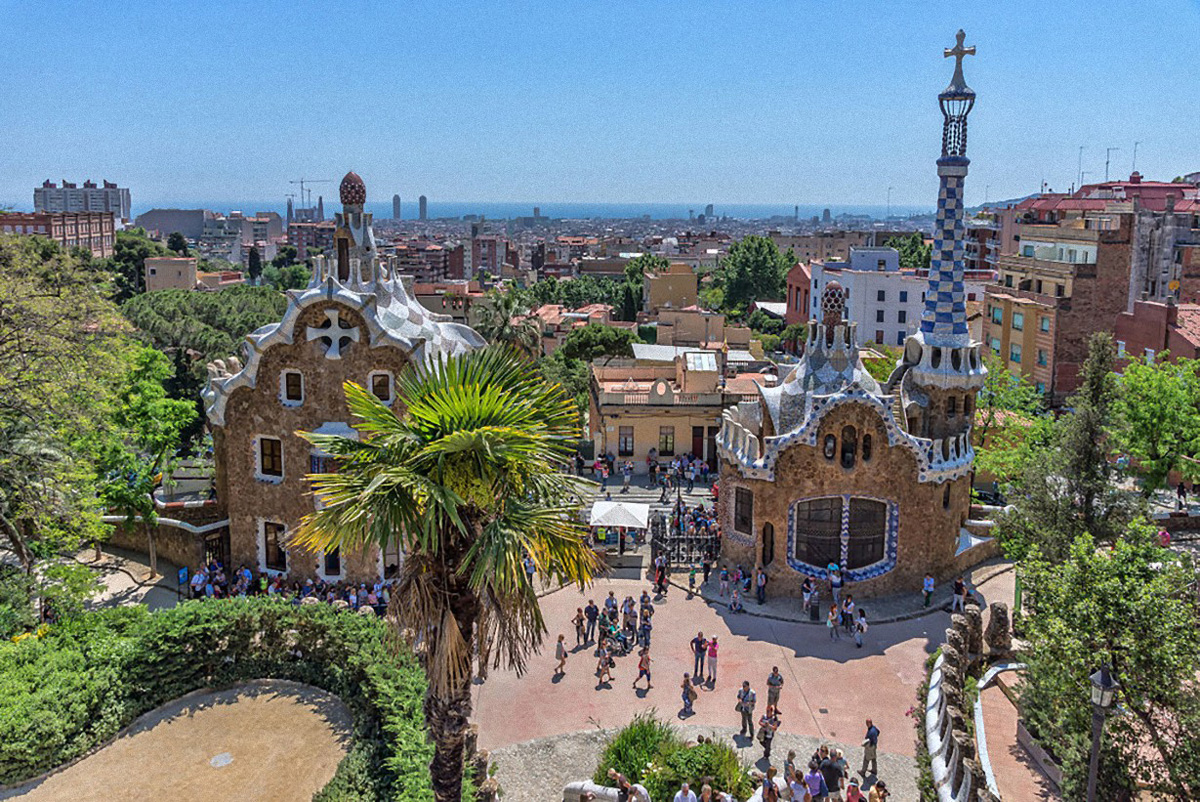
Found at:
<point>266,740</point>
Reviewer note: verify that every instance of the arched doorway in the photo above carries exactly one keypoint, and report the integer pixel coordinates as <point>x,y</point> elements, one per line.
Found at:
<point>768,544</point>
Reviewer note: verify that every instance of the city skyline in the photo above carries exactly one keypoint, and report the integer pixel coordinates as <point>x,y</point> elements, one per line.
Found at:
<point>786,104</point>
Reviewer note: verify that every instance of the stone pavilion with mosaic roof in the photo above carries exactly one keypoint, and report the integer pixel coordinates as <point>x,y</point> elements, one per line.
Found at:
<point>832,467</point>
<point>355,321</point>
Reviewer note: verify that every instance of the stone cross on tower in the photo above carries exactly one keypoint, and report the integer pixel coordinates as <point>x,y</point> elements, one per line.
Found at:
<point>958,51</point>
<point>335,334</point>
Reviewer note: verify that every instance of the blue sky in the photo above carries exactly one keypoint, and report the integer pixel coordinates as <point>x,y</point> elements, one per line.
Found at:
<point>730,102</point>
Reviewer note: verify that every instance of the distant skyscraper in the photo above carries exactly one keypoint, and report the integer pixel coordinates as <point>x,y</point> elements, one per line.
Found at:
<point>796,213</point>
<point>290,212</point>
<point>423,205</point>
<point>708,210</point>
<point>395,207</point>
<point>826,216</point>
<point>320,208</point>
<point>691,214</point>
<point>537,212</point>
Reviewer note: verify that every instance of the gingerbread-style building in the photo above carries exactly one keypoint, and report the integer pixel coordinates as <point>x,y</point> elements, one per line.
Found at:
<point>354,322</point>
<point>831,467</point>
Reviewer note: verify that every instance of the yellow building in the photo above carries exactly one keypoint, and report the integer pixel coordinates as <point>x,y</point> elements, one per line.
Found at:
<point>170,273</point>
<point>640,412</point>
<point>676,287</point>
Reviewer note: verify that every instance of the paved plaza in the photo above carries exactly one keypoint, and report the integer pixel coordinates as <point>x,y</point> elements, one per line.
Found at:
<point>830,688</point>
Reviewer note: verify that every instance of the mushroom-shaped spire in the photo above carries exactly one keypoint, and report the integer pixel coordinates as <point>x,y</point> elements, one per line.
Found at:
<point>833,304</point>
<point>353,191</point>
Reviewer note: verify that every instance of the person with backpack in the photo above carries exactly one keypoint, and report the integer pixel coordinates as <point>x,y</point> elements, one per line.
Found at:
<point>746,699</point>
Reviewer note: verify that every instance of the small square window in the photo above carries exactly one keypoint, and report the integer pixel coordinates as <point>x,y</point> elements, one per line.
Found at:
<point>879,336</point>
<point>1018,321</point>
<point>274,553</point>
<point>903,296</point>
<point>1042,358</point>
<point>1014,353</point>
<point>293,386</point>
<point>902,316</point>
<point>666,441</point>
<point>881,296</point>
<point>1044,323</point>
<point>878,315</point>
<point>333,562</point>
<point>381,386</point>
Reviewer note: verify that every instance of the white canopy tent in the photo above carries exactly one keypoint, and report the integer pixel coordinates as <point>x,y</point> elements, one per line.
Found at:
<point>620,513</point>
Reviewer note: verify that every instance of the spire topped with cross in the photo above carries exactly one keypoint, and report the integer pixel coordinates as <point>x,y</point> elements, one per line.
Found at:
<point>958,84</point>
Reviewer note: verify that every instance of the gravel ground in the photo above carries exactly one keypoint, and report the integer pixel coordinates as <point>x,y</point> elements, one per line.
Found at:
<point>536,771</point>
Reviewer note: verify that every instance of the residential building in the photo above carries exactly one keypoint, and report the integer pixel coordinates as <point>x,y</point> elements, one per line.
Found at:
<point>1155,328</point>
<point>93,231</point>
<point>557,322</point>
<point>305,237</point>
<point>828,246</point>
<point>640,411</point>
<point>799,294</point>
<point>161,223</point>
<point>693,327</point>
<point>109,198</point>
<point>170,273</point>
<point>427,262</point>
<point>829,467</point>
<point>488,254</point>
<point>459,300</point>
<point>676,287</point>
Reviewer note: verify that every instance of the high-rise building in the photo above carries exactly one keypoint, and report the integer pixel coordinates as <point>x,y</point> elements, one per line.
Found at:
<point>423,207</point>
<point>826,217</point>
<point>50,197</point>
<point>395,207</point>
<point>708,210</point>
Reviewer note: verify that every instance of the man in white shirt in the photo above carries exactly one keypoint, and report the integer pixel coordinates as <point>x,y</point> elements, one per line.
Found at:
<point>638,793</point>
<point>685,794</point>
<point>198,581</point>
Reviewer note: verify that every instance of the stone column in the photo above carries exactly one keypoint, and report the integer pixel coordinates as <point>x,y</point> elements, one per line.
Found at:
<point>974,618</point>
<point>998,634</point>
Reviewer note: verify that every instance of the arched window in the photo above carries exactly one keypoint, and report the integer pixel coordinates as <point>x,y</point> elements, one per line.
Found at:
<point>946,497</point>
<point>968,404</point>
<point>768,544</point>
<point>830,446</point>
<point>956,359</point>
<point>935,359</point>
<point>866,448</point>
<point>849,446</point>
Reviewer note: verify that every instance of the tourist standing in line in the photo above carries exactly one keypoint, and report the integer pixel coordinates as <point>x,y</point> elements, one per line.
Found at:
<point>699,650</point>
<point>706,568</point>
<point>879,792</point>
<point>746,699</point>
<point>831,621</point>
<point>814,780</point>
<point>927,589</point>
<point>580,622</point>
<point>774,685</point>
<point>870,744</point>
<point>685,794</point>
<point>854,791</point>
<point>831,772</point>
<point>760,583</point>
<point>591,613</point>
<point>724,579</point>
<point>712,661</point>
<point>560,651</point>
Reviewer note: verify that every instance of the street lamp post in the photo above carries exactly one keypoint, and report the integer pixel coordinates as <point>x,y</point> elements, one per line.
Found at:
<point>1104,688</point>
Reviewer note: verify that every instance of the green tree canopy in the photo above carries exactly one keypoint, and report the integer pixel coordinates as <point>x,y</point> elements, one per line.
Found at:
<point>128,262</point>
<point>1010,427</point>
<point>254,264</point>
<point>284,257</point>
<point>505,320</point>
<point>1132,605</point>
<point>754,270</point>
<point>1159,419</point>
<point>914,253</point>
<point>178,243</point>
<point>596,340</point>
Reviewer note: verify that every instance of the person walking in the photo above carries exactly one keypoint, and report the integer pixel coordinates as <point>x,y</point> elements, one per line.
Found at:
<point>959,604</point>
<point>643,668</point>
<point>927,589</point>
<point>768,724</point>
<point>712,661</point>
<point>580,622</point>
<point>831,622</point>
<point>626,475</point>
<point>604,666</point>
<point>860,627</point>
<point>760,585</point>
<point>774,685</point>
<point>560,652</point>
<point>689,694</point>
<point>699,650</point>
<point>591,613</point>
<point>870,744</point>
<point>706,568</point>
<point>745,702</point>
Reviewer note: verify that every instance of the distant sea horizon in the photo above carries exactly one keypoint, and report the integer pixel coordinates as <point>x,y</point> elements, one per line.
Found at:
<point>492,210</point>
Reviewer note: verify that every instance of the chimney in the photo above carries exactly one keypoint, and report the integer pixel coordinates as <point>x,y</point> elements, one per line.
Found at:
<point>1170,203</point>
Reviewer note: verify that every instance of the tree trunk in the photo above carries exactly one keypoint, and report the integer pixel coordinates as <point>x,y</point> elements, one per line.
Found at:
<point>448,719</point>
<point>152,553</point>
<point>17,542</point>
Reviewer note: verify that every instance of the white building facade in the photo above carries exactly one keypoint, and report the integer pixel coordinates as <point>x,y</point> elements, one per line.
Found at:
<point>50,197</point>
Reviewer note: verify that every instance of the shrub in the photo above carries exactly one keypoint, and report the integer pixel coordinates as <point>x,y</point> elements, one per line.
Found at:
<point>651,752</point>
<point>64,693</point>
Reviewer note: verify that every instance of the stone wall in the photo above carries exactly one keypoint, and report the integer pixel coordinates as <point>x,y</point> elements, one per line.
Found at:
<point>171,543</point>
<point>257,410</point>
<point>928,532</point>
<point>958,775</point>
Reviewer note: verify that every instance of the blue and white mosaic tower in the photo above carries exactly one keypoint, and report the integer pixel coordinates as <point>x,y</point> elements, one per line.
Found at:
<point>944,321</point>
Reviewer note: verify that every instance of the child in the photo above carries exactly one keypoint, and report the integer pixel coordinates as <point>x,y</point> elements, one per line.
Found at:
<point>724,579</point>
<point>831,621</point>
<point>735,600</point>
<point>692,580</point>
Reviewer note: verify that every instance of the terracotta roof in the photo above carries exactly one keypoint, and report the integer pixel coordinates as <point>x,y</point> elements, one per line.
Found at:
<point>745,383</point>
<point>1188,323</point>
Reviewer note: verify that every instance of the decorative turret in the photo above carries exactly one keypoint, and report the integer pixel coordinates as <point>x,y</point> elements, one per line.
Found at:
<point>353,238</point>
<point>941,369</point>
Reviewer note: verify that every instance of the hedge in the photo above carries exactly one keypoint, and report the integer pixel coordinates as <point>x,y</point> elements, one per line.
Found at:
<point>82,681</point>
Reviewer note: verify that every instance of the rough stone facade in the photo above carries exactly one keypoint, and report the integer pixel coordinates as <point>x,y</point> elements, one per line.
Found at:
<point>254,412</point>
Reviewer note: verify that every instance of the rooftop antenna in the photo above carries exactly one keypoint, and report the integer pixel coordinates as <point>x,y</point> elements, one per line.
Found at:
<point>1107,157</point>
<point>1133,168</point>
<point>889,203</point>
<point>1079,169</point>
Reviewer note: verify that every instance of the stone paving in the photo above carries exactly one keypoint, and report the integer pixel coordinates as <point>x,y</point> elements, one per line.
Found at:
<point>126,578</point>
<point>830,686</point>
<point>1017,775</point>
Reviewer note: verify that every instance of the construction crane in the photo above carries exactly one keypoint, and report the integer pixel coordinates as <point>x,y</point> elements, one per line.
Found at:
<point>307,201</point>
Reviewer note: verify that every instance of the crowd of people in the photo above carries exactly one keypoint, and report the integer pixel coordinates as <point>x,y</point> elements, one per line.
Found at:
<point>213,582</point>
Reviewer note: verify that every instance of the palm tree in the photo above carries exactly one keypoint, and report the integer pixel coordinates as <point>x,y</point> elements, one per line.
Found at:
<point>507,321</point>
<point>468,481</point>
